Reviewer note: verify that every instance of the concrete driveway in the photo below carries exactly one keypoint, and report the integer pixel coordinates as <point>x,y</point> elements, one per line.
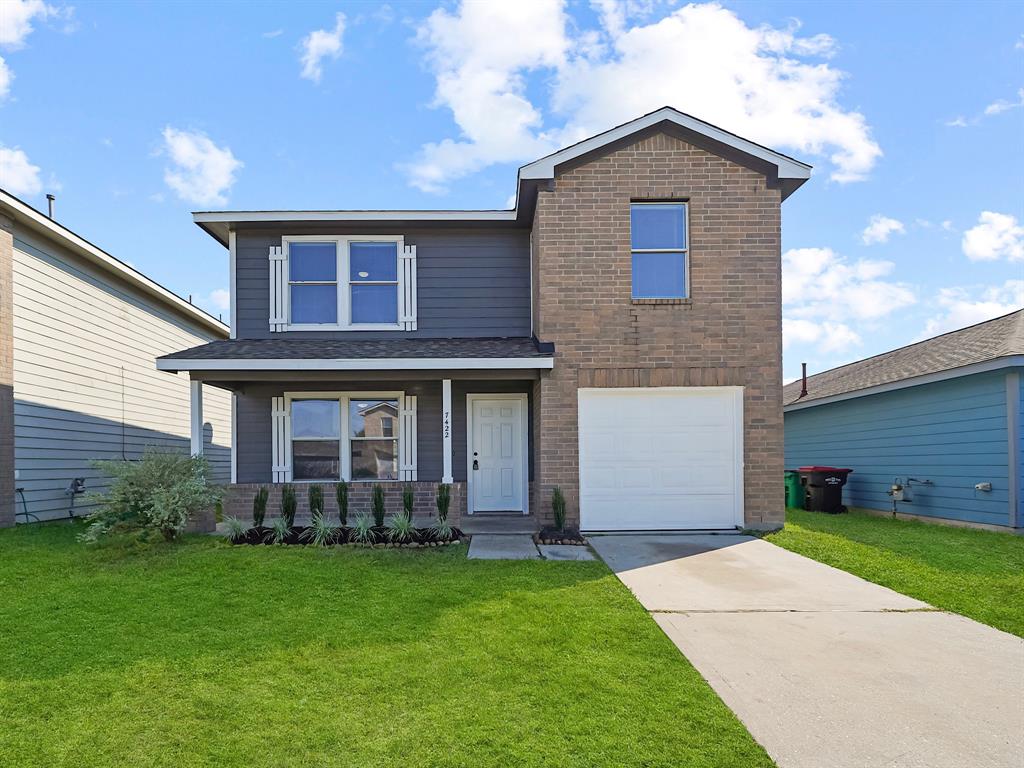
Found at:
<point>824,668</point>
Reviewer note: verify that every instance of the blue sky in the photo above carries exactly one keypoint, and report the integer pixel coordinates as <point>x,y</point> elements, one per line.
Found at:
<point>137,114</point>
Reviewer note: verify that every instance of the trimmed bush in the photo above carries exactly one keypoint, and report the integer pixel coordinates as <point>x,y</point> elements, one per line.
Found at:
<point>377,505</point>
<point>558,508</point>
<point>408,500</point>
<point>444,499</point>
<point>259,506</point>
<point>288,504</point>
<point>316,501</point>
<point>341,494</point>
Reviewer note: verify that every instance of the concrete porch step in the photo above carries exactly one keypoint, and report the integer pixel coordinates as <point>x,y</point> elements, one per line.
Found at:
<point>498,522</point>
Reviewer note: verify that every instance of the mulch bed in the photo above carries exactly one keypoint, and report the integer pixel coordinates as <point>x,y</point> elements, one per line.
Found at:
<point>421,538</point>
<point>555,536</point>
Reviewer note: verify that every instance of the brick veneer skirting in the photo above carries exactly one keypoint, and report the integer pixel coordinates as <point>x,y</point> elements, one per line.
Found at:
<point>238,501</point>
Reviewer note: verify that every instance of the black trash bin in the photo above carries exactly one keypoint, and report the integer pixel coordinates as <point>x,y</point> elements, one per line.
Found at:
<point>824,488</point>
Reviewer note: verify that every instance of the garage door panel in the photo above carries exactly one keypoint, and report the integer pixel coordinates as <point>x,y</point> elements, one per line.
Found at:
<point>660,458</point>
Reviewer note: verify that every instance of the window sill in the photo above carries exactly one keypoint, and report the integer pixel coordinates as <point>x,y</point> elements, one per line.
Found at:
<point>357,327</point>
<point>678,302</point>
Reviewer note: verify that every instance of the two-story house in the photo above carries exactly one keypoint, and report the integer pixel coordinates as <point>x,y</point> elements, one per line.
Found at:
<point>617,334</point>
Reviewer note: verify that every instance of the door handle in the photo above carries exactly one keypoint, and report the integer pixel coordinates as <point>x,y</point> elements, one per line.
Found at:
<point>476,464</point>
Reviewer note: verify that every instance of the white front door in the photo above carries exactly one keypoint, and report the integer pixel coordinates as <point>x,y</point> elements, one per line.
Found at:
<point>497,453</point>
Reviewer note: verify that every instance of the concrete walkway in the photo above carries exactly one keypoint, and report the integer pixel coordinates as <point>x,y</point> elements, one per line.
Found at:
<point>824,668</point>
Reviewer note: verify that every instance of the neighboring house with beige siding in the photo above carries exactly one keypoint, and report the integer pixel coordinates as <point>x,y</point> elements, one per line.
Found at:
<point>79,334</point>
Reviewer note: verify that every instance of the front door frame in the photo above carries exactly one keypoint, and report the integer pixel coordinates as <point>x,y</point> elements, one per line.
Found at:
<point>525,443</point>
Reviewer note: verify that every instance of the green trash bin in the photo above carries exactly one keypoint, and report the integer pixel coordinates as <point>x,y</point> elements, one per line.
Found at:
<point>794,490</point>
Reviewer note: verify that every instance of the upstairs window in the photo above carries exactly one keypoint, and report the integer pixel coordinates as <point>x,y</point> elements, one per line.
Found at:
<point>373,282</point>
<point>660,250</point>
<point>346,283</point>
<point>313,282</point>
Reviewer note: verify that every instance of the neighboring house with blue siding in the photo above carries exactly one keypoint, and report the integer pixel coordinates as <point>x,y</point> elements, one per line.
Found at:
<point>945,414</point>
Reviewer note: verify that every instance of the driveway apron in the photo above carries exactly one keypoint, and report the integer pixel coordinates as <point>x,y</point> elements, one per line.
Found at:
<point>824,668</point>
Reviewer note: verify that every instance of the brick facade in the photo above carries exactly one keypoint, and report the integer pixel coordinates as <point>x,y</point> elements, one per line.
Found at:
<point>7,483</point>
<point>729,332</point>
<point>239,497</point>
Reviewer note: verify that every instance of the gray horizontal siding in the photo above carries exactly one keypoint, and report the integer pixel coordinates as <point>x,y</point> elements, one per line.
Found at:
<point>953,433</point>
<point>469,283</point>
<point>254,428</point>
<point>86,386</point>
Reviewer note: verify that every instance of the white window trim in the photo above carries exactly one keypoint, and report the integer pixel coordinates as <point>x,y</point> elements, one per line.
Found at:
<point>344,437</point>
<point>685,250</point>
<point>344,284</point>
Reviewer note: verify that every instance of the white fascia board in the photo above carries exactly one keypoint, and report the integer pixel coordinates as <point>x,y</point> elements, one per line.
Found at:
<point>359,364</point>
<point>915,381</point>
<point>82,247</point>
<point>788,168</point>
<point>249,217</point>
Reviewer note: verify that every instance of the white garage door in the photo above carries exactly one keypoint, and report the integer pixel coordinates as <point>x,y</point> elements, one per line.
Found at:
<point>661,458</point>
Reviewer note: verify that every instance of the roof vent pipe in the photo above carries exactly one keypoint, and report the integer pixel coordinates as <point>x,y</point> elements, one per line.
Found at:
<point>803,379</point>
<point>49,204</point>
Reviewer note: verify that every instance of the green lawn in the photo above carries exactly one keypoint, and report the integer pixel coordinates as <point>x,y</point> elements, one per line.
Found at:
<point>979,574</point>
<point>206,654</point>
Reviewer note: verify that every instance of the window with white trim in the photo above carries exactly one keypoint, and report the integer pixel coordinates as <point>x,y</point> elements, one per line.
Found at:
<point>347,436</point>
<point>660,250</point>
<point>356,282</point>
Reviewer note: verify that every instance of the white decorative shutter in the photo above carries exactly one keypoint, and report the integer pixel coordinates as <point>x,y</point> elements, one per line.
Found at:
<point>281,437</point>
<point>407,438</point>
<point>278,288</point>
<point>407,310</point>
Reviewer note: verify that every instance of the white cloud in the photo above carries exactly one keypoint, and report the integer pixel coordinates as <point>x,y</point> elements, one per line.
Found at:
<point>825,297</point>
<point>202,172</point>
<point>479,56</point>
<point>880,228</point>
<point>702,59</point>
<point>319,45</point>
<point>17,174</point>
<point>961,307</point>
<point>272,34</point>
<point>219,299</point>
<point>995,235</point>
<point>948,225</point>
<point>1003,105</point>
<point>18,16</point>
<point>6,76</point>
<point>997,107</point>
<point>827,336</point>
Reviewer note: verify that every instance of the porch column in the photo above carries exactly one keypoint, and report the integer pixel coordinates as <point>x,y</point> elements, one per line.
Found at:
<point>446,430</point>
<point>196,414</point>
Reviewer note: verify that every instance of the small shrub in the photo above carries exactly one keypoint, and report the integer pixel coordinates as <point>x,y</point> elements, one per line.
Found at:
<point>259,506</point>
<point>401,529</point>
<point>288,504</point>
<point>377,504</point>
<point>408,500</point>
<point>279,530</point>
<point>321,532</point>
<point>362,529</point>
<point>157,494</point>
<point>316,501</point>
<point>441,530</point>
<point>234,529</point>
<point>558,508</point>
<point>444,498</point>
<point>341,493</point>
